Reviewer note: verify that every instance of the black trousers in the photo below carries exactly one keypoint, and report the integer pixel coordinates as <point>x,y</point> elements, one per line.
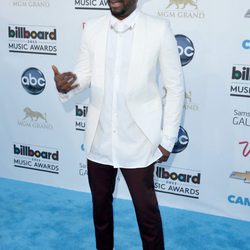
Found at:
<point>141,187</point>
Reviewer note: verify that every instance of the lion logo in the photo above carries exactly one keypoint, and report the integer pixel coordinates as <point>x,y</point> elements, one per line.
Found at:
<point>188,96</point>
<point>33,115</point>
<point>180,2</point>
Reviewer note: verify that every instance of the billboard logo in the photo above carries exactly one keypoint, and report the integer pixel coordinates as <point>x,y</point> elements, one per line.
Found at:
<point>185,48</point>
<point>32,39</point>
<point>182,141</point>
<point>28,151</point>
<point>24,33</point>
<point>35,157</point>
<point>242,73</point>
<point>33,81</point>
<point>177,181</point>
<point>163,173</point>
<point>240,84</point>
<point>81,111</point>
<point>80,114</point>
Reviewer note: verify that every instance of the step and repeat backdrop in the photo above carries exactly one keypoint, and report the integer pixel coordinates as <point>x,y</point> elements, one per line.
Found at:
<point>42,140</point>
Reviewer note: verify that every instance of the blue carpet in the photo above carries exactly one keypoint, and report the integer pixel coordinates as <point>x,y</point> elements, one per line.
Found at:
<point>37,217</point>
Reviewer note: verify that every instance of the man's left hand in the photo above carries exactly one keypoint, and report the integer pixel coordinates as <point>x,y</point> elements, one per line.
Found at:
<point>165,154</point>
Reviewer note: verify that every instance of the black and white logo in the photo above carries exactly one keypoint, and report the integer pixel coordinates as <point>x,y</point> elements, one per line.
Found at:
<point>32,39</point>
<point>34,157</point>
<point>177,181</point>
<point>80,115</point>
<point>182,141</point>
<point>91,5</point>
<point>33,81</point>
<point>186,49</point>
<point>240,81</point>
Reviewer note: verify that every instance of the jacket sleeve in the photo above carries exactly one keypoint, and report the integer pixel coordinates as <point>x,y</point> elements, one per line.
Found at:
<point>172,77</point>
<point>82,68</point>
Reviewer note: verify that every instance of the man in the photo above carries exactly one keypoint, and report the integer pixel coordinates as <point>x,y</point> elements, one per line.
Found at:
<point>126,126</point>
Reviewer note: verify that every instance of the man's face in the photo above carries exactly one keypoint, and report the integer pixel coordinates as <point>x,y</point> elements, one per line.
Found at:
<point>122,8</point>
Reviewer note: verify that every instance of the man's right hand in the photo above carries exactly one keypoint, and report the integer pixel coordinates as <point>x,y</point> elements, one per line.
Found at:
<point>65,81</point>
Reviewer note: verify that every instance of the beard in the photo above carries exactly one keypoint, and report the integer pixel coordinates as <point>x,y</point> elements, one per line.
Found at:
<point>118,13</point>
<point>121,8</point>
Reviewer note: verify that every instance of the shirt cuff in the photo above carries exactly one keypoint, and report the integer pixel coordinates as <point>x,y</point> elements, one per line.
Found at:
<point>168,142</point>
<point>65,97</point>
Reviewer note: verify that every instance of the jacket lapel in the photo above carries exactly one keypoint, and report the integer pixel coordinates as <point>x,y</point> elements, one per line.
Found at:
<point>137,54</point>
<point>100,50</point>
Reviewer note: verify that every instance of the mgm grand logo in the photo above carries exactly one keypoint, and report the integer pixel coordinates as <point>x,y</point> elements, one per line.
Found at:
<point>182,9</point>
<point>184,3</point>
<point>189,104</point>
<point>34,119</point>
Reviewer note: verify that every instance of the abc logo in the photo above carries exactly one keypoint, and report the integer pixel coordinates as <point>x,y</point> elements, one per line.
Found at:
<point>246,44</point>
<point>33,81</point>
<point>186,49</point>
<point>182,141</point>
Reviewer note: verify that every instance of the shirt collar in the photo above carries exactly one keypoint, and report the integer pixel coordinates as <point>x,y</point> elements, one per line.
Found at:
<point>128,21</point>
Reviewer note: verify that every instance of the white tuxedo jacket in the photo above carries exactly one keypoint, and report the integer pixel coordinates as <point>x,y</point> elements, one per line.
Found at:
<point>153,43</point>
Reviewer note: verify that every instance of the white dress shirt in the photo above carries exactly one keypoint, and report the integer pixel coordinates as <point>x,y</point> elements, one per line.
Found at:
<point>117,135</point>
